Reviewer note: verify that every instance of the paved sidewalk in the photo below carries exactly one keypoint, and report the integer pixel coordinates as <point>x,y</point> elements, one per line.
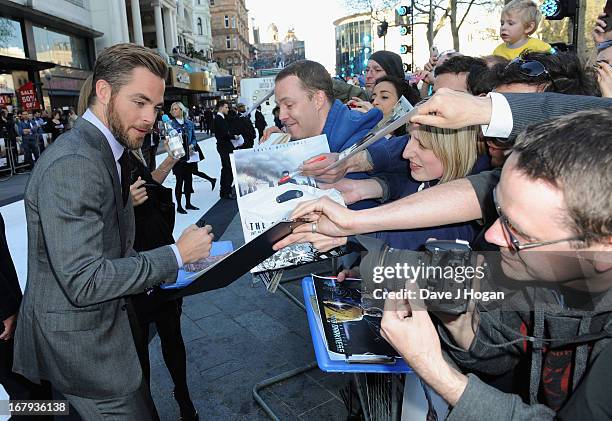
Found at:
<point>239,336</point>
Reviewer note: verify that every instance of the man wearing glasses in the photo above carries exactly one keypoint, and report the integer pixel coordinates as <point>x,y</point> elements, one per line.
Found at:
<point>554,231</point>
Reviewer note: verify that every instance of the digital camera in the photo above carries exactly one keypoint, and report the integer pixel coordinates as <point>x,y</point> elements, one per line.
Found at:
<point>443,271</point>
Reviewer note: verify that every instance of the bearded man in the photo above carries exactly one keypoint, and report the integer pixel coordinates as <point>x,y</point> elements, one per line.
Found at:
<point>73,328</point>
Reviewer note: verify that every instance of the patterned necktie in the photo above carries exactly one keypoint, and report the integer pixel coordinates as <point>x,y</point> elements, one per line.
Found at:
<point>126,168</point>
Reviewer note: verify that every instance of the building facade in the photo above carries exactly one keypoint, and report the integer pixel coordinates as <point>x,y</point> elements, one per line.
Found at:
<point>47,50</point>
<point>202,29</point>
<point>353,43</point>
<point>180,31</point>
<point>230,32</point>
<point>279,53</point>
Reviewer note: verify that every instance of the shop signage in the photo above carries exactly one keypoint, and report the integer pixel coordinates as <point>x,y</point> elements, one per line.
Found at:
<point>27,97</point>
<point>64,84</point>
<point>5,100</point>
<point>200,81</point>
<point>182,77</point>
<point>178,78</point>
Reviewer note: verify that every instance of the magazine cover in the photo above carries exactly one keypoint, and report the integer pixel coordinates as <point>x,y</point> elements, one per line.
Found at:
<point>218,251</point>
<point>350,322</point>
<point>269,187</point>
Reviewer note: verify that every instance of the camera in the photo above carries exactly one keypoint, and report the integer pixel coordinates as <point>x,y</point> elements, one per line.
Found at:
<point>440,271</point>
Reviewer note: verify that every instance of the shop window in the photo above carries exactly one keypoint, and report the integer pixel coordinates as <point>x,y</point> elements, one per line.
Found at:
<point>11,40</point>
<point>62,49</point>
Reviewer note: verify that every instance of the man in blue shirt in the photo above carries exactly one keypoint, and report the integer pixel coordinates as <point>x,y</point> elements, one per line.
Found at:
<point>305,96</point>
<point>29,132</point>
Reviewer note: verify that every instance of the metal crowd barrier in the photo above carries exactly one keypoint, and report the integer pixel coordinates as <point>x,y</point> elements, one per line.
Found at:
<point>12,157</point>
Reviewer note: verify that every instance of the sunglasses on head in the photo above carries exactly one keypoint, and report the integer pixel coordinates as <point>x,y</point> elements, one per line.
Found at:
<point>531,68</point>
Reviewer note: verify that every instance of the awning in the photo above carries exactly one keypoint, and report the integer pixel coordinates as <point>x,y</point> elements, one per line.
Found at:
<point>62,92</point>
<point>173,90</point>
<point>8,64</point>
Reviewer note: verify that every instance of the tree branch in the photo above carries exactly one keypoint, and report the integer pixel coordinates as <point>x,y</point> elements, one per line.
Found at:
<point>441,23</point>
<point>465,15</point>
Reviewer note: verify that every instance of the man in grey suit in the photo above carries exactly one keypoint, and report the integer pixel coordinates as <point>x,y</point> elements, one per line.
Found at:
<point>73,327</point>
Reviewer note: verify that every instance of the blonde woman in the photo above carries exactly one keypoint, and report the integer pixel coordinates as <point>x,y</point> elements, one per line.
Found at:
<point>433,156</point>
<point>183,170</point>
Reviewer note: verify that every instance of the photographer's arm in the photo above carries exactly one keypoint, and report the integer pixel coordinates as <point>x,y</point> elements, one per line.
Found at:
<point>462,328</point>
<point>411,332</point>
<point>444,204</point>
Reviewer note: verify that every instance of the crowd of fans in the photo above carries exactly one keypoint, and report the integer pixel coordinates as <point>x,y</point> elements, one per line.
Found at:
<point>33,130</point>
<point>511,154</point>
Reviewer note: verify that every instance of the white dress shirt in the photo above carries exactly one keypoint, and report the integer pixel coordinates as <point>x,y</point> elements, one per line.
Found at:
<point>501,117</point>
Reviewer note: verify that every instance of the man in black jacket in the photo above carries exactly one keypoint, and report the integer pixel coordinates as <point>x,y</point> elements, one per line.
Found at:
<point>150,144</point>
<point>225,148</point>
<point>241,125</point>
<point>210,118</point>
<point>260,122</point>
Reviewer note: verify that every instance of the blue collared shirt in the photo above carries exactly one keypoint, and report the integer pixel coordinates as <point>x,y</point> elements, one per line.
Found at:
<point>117,149</point>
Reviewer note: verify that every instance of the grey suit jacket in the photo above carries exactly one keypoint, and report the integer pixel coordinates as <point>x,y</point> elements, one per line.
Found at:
<point>73,329</point>
<point>529,109</point>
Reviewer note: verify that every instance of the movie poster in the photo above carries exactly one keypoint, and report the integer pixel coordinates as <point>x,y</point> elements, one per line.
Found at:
<point>269,187</point>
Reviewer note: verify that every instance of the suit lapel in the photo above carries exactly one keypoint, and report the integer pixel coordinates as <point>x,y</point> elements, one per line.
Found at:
<point>97,139</point>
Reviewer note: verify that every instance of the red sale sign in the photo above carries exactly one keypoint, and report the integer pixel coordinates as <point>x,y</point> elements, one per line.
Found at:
<point>27,97</point>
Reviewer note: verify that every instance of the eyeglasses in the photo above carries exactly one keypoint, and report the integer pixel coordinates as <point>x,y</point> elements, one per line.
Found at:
<point>531,68</point>
<point>509,232</point>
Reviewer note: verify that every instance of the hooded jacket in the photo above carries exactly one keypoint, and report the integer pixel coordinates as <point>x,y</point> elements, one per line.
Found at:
<point>343,129</point>
<point>557,353</point>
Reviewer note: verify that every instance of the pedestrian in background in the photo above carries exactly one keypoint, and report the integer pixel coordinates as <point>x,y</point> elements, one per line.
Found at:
<point>184,170</point>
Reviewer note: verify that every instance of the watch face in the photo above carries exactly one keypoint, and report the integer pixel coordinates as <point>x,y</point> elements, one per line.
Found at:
<point>289,195</point>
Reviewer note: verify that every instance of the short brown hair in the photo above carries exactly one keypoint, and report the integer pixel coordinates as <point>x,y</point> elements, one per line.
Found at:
<point>574,154</point>
<point>312,76</point>
<point>115,64</point>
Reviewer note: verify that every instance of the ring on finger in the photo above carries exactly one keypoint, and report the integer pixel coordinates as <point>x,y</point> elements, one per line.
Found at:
<point>313,227</point>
